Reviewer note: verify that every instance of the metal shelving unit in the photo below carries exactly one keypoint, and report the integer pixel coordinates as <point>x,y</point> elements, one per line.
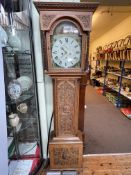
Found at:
<point>119,76</point>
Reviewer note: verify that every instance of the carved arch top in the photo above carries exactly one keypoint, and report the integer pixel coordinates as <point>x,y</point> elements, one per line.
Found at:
<point>48,18</point>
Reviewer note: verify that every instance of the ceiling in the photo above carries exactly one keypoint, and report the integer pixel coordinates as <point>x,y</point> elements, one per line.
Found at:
<point>111,2</point>
<point>108,14</point>
<point>106,17</point>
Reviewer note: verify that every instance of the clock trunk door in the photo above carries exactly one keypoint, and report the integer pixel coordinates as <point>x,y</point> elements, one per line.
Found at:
<point>66,103</point>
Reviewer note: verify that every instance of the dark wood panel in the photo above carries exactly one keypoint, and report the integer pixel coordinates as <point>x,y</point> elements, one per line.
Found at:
<point>83,83</point>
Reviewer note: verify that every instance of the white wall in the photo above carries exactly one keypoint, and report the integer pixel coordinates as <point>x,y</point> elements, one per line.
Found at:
<point>119,31</point>
<point>43,107</point>
<point>49,99</point>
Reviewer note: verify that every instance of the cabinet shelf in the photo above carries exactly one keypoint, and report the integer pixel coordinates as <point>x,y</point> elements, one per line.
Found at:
<point>112,88</point>
<point>126,94</point>
<point>27,149</point>
<point>12,53</point>
<point>126,77</point>
<point>113,73</point>
<point>22,98</point>
<point>100,80</point>
<point>18,128</point>
<point>25,128</point>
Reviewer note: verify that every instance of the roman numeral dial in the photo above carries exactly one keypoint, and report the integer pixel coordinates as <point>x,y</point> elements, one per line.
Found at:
<point>66,52</point>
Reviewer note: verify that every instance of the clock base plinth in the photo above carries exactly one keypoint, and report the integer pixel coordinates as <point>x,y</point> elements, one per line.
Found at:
<point>66,153</point>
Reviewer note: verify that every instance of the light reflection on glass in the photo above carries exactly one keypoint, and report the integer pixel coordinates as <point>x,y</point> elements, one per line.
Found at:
<point>66,27</point>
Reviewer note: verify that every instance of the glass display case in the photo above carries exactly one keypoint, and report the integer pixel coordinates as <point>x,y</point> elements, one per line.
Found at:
<point>24,143</point>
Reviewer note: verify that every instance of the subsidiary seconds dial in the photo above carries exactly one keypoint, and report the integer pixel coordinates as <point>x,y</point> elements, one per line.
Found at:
<point>66,52</point>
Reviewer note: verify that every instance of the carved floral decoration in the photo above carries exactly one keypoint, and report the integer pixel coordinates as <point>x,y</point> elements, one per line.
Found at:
<point>66,106</point>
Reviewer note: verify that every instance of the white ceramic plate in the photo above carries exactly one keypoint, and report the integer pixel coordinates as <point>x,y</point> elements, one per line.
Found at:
<point>26,82</point>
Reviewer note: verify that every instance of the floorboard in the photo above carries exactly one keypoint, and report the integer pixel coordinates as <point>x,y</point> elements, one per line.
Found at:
<point>107,164</point>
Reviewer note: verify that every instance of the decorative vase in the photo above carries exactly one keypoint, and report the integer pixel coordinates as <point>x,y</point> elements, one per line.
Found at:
<point>13,40</point>
<point>14,119</point>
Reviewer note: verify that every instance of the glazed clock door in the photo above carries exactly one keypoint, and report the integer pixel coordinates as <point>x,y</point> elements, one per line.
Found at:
<point>65,47</point>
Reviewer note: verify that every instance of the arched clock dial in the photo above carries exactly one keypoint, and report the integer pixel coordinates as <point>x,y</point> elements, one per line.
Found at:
<point>66,52</point>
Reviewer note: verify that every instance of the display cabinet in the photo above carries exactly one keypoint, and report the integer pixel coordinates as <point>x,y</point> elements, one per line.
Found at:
<point>24,143</point>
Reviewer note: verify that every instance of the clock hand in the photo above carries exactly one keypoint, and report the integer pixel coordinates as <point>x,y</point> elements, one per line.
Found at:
<point>63,50</point>
<point>66,48</point>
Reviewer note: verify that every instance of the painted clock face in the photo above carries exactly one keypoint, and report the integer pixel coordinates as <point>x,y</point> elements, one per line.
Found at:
<point>14,89</point>
<point>66,52</point>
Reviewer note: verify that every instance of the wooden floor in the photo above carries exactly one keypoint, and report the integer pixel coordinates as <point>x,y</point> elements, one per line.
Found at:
<point>105,164</point>
<point>108,164</point>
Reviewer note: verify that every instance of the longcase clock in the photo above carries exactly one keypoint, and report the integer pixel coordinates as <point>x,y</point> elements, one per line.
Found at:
<point>65,30</point>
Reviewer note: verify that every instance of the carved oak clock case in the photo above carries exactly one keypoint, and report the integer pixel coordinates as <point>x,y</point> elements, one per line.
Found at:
<point>65,31</point>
